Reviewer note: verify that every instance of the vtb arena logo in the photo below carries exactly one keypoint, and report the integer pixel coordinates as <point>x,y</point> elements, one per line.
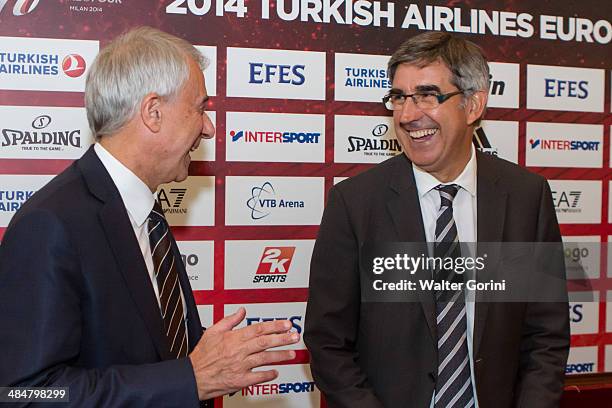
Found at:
<point>21,7</point>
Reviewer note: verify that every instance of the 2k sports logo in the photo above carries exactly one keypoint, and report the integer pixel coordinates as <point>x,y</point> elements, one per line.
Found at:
<point>21,7</point>
<point>274,264</point>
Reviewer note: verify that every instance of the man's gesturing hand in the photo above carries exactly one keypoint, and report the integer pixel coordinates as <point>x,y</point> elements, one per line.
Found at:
<point>223,359</point>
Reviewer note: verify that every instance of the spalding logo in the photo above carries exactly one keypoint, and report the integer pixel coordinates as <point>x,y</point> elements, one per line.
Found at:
<point>21,7</point>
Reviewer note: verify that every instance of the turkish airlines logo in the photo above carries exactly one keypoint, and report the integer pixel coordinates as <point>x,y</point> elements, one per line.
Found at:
<point>21,7</point>
<point>73,65</point>
<point>274,264</point>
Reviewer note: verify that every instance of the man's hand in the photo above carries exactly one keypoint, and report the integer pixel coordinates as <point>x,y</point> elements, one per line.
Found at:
<point>223,359</point>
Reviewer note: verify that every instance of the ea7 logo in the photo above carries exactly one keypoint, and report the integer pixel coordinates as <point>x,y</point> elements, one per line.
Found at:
<point>177,193</point>
<point>275,263</point>
<point>566,199</point>
<point>21,7</point>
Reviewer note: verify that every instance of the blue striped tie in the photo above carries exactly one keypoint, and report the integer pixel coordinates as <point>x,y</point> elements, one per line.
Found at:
<point>164,263</point>
<point>454,384</point>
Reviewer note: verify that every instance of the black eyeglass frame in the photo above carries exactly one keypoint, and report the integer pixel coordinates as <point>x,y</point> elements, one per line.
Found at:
<point>440,97</point>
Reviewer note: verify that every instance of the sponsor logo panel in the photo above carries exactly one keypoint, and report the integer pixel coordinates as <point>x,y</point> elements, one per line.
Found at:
<point>189,203</point>
<point>294,388</point>
<point>504,85</point>
<point>609,312</point>
<point>582,256</point>
<point>206,151</point>
<point>608,358</point>
<point>361,77</point>
<point>584,312</point>
<point>565,88</point>
<point>264,312</point>
<point>582,360</point>
<point>339,179</point>
<point>273,200</point>
<point>364,139</point>
<point>29,132</point>
<point>16,190</point>
<point>275,137</point>
<point>210,73</point>
<point>267,264</point>
<point>198,258</point>
<point>498,138</point>
<point>564,145</point>
<point>206,315</point>
<point>45,64</point>
<point>284,74</point>
<point>577,201</point>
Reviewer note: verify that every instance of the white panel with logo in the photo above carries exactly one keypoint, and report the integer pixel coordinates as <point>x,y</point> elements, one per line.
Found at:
<point>15,190</point>
<point>504,85</point>
<point>577,201</point>
<point>364,139</point>
<point>608,358</point>
<point>255,264</point>
<point>210,73</point>
<point>582,360</point>
<point>254,200</point>
<point>564,145</point>
<point>361,77</point>
<point>275,137</point>
<point>582,256</point>
<point>198,258</point>
<point>499,138</point>
<point>584,312</point>
<point>206,151</point>
<point>282,74</point>
<point>45,64</point>
<point>36,132</point>
<point>339,179</point>
<point>294,388</point>
<point>263,312</point>
<point>189,203</point>
<point>565,88</point>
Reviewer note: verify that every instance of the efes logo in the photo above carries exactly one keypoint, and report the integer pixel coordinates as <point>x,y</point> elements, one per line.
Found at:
<point>171,200</point>
<point>73,65</point>
<point>37,139</point>
<point>274,264</point>
<point>482,143</point>
<point>376,145</point>
<point>546,144</point>
<point>258,136</point>
<point>21,7</point>
<point>263,201</point>
<point>567,201</point>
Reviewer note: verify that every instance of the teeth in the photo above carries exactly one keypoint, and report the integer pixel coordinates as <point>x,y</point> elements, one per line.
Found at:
<point>417,134</point>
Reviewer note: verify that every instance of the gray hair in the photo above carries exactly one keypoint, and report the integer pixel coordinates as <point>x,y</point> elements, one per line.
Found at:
<point>138,62</point>
<point>465,60</point>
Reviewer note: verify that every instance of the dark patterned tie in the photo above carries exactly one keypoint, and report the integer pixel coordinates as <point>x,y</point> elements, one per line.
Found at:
<point>165,269</point>
<point>454,385</point>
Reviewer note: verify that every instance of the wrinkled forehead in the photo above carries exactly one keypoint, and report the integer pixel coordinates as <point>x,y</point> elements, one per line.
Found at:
<point>435,76</point>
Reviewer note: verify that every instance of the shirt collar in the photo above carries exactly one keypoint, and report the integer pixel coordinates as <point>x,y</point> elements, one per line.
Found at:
<point>425,182</point>
<point>136,196</point>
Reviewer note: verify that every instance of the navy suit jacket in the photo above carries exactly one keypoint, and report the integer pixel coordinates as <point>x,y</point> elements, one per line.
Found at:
<point>77,306</point>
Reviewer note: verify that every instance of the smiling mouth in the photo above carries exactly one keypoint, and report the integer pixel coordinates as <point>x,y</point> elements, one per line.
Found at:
<point>421,133</point>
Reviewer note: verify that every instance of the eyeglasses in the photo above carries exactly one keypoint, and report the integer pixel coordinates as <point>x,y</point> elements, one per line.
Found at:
<point>395,101</point>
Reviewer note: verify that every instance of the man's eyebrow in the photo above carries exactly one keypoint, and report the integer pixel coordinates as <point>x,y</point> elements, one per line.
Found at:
<point>427,89</point>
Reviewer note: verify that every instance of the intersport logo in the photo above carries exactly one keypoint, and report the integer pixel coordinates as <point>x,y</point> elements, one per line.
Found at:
<point>20,7</point>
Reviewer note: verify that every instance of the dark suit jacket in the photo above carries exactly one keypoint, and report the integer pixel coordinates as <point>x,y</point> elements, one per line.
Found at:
<point>384,354</point>
<point>77,307</point>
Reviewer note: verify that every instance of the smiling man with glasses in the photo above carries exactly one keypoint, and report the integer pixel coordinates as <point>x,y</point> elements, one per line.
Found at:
<point>434,353</point>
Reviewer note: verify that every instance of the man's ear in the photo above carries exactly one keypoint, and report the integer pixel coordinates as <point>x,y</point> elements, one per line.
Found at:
<point>150,112</point>
<point>475,106</point>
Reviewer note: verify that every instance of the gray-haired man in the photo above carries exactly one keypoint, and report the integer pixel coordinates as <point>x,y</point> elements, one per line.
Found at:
<point>93,295</point>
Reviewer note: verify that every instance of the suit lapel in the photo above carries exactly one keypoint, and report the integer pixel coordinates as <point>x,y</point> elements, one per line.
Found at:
<point>405,211</point>
<point>491,213</point>
<point>121,238</point>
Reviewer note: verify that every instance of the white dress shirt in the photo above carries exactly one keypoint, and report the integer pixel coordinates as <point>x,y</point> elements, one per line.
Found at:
<point>464,213</point>
<point>138,201</point>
